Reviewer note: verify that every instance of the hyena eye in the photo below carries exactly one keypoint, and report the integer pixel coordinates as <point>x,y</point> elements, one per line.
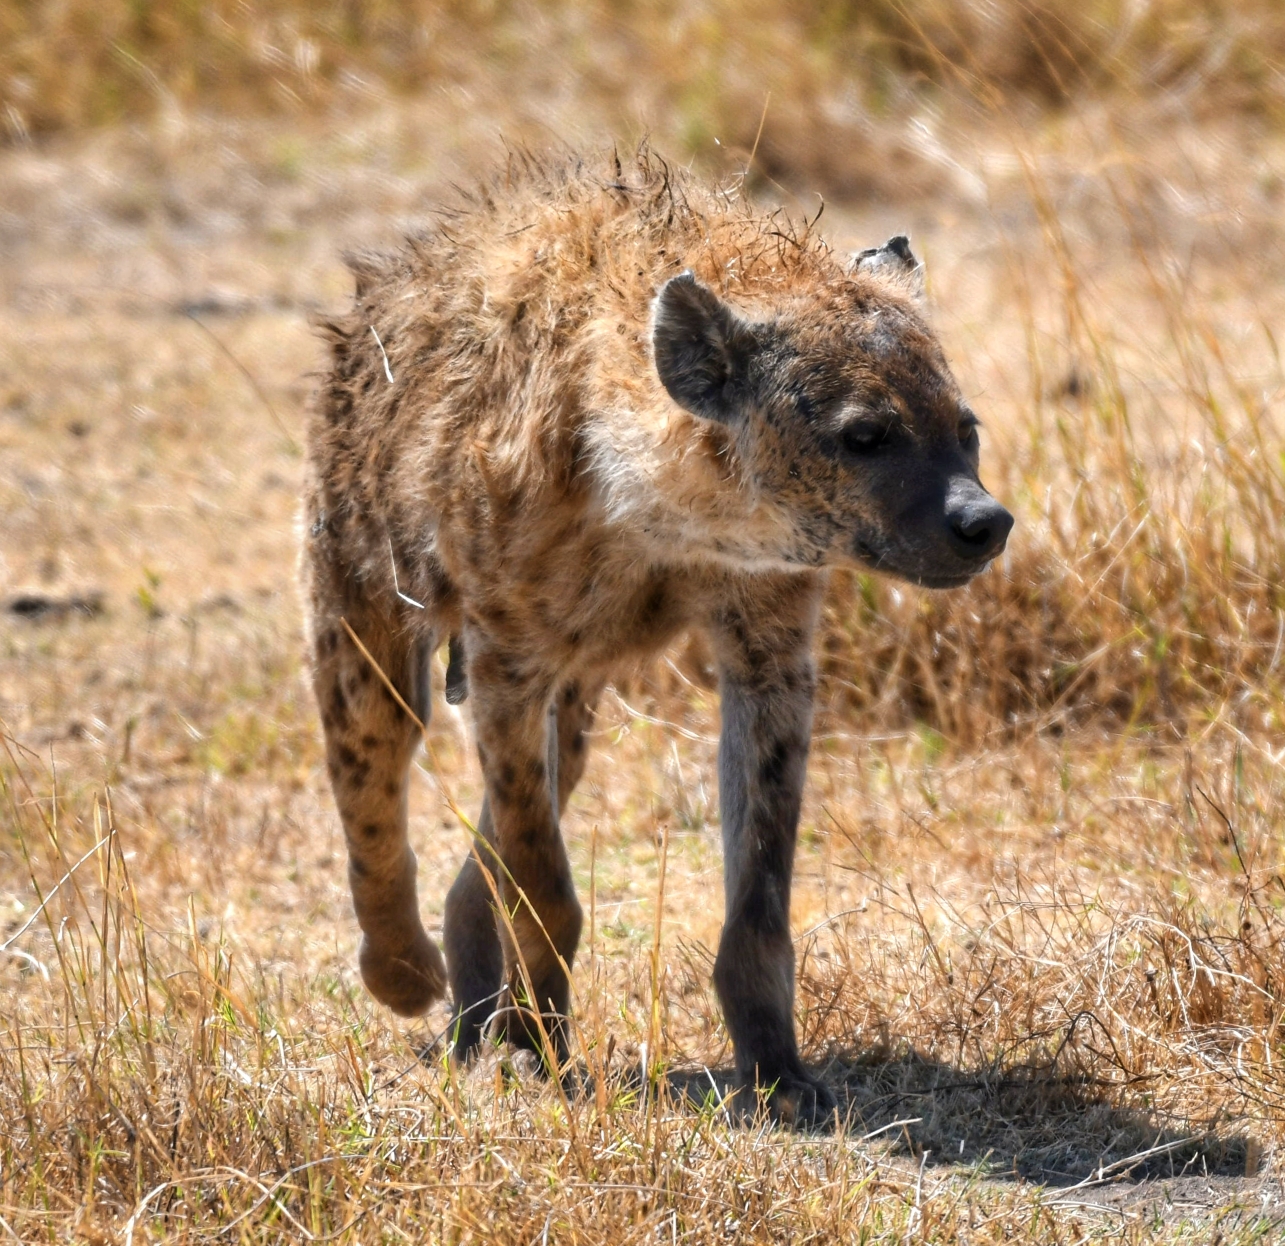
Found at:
<point>864,437</point>
<point>968,427</point>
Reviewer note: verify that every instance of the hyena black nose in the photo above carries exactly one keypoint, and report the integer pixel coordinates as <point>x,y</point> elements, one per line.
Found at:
<point>979,527</point>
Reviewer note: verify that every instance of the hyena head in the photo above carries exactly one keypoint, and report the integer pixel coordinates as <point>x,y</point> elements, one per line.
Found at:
<point>846,417</point>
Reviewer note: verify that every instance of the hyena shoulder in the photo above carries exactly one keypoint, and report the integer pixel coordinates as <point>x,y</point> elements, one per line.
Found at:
<point>517,333</point>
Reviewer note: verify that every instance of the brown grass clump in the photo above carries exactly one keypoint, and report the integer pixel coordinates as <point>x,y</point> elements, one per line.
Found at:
<point>1122,603</point>
<point>1040,901</point>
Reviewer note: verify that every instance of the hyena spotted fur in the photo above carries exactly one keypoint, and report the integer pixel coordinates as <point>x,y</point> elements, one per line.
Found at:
<point>590,408</point>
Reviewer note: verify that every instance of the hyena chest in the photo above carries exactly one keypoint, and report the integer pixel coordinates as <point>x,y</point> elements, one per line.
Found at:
<point>603,619</point>
<point>594,594</point>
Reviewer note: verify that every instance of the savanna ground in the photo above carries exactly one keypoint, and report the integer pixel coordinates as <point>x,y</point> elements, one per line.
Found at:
<point>1039,911</point>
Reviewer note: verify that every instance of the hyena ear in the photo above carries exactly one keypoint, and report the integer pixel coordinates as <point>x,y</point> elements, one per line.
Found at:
<point>894,260</point>
<point>703,349</point>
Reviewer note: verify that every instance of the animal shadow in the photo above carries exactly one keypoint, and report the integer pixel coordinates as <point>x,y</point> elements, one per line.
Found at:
<point>1027,1124</point>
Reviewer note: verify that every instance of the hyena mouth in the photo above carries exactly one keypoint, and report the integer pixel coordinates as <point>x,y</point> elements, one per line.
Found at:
<point>943,581</point>
<point>868,554</point>
<point>880,560</point>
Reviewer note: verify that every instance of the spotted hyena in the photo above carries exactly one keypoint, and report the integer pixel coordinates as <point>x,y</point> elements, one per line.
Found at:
<point>591,407</point>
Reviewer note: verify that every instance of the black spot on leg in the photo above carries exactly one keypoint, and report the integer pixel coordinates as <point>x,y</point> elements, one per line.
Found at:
<point>392,788</point>
<point>503,782</point>
<point>338,705</point>
<point>772,767</point>
<point>371,830</point>
<point>328,642</point>
<point>352,769</point>
<point>571,694</point>
<point>369,741</point>
<point>364,674</point>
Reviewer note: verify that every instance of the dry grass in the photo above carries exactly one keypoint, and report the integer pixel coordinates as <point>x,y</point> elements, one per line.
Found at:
<point>1041,897</point>
<point>845,77</point>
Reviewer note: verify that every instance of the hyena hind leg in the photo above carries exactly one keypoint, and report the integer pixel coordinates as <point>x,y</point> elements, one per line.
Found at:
<point>474,950</point>
<point>474,954</point>
<point>370,741</point>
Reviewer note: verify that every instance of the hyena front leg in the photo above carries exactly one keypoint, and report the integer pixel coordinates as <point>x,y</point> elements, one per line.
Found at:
<point>474,949</point>
<point>767,684</point>
<point>370,740</point>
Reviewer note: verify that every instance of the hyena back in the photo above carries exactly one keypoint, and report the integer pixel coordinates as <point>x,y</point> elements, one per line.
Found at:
<point>592,408</point>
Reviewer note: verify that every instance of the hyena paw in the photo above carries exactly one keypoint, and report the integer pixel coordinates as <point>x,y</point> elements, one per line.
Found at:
<point>409,981</point>
<point>796,1100</point>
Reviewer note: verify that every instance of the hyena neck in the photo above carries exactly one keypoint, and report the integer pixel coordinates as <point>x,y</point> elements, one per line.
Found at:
<point>677,487</point>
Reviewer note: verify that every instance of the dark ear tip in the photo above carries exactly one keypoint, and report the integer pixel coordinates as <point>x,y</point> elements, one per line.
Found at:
<point>686,280</point>
<point>894,256</point>
<point>899,245</point>
<point>682,296</point>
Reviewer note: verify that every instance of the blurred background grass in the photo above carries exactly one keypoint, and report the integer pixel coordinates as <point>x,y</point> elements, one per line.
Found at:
<point>692,70</point>
<point>73,63</point>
